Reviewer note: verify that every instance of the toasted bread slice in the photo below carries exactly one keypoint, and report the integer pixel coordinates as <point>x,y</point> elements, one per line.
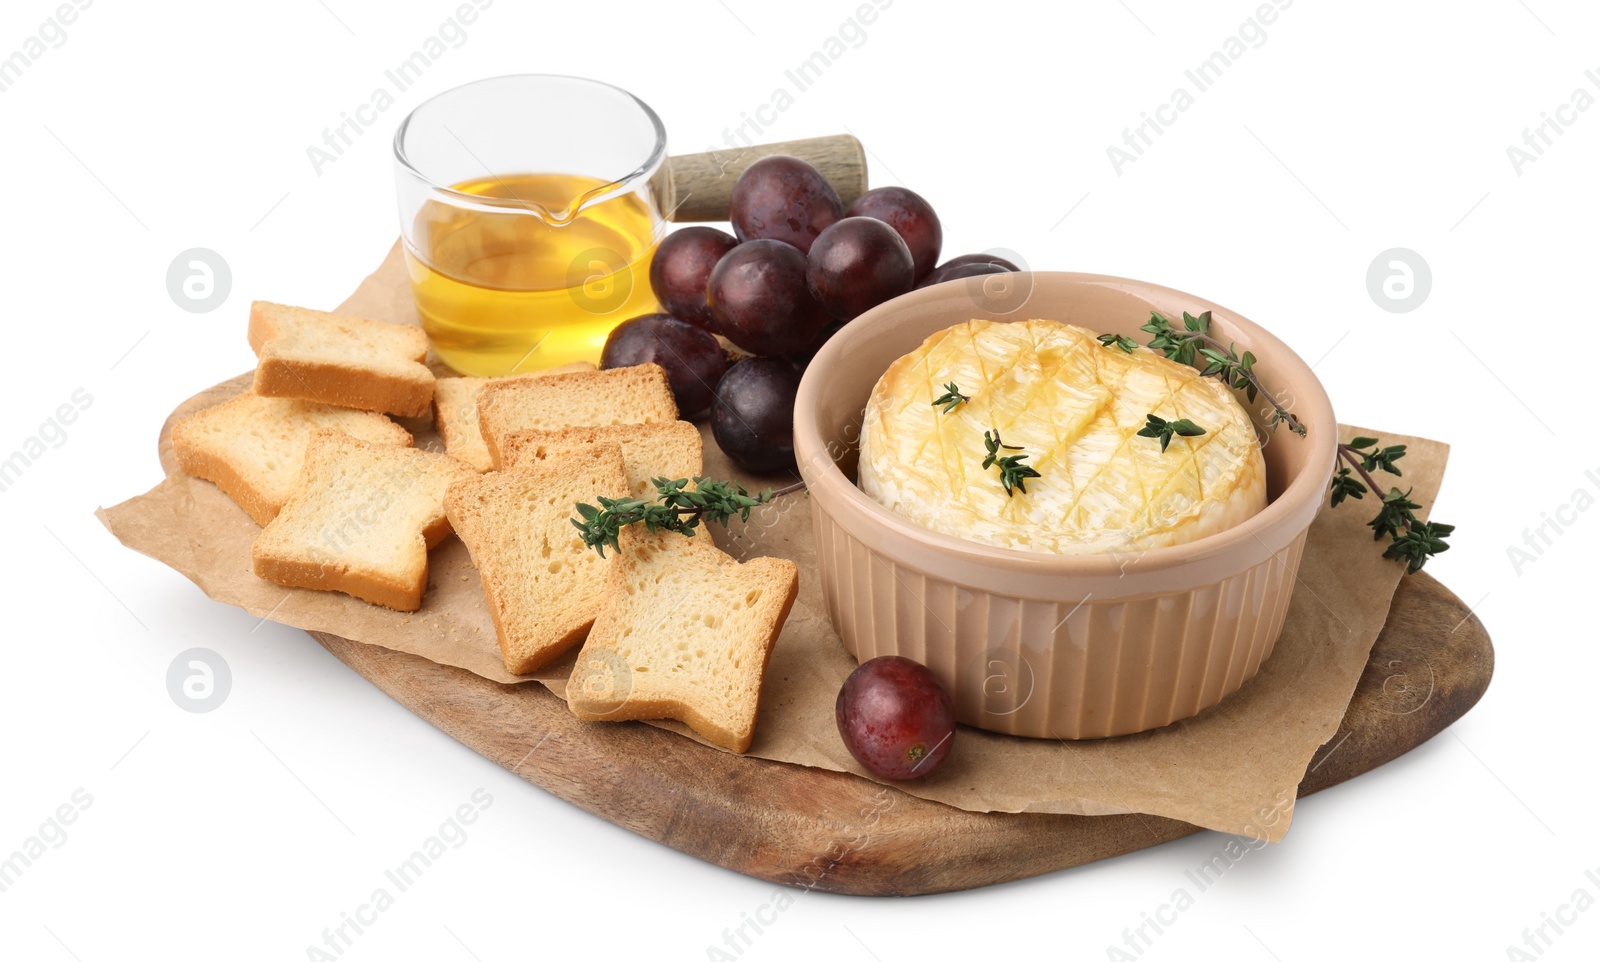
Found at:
<point>543,586</point>
<point>624,395</point>
<point>362,521</point>
<point>254,447</point>
<point>338,359</point>
<point>665,449</point>
<point>455,412</point>
<point>685,633</point>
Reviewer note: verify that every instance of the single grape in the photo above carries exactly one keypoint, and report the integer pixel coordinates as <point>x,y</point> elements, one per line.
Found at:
<point>783,198</point>
<point>958,267</point>
<point>692,358</point>
<point>680,268</point>
<point>752,417</point>
<point>857,264</point>
<point>941,274</point>
<point>961,259</point>
<point>759,299</point>
<point>895,718</point>
<point>803,356</point>
<point>911,217</point>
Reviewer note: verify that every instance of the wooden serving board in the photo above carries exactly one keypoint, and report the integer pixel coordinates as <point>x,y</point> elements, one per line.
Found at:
<point>840,833</point>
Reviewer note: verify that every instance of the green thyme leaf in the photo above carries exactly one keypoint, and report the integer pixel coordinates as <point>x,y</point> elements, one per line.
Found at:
<point>951,399</point>
<point>1127,344</point>
<point>1164,430</point>
<point>678,507</point>
<point>1013,473</point>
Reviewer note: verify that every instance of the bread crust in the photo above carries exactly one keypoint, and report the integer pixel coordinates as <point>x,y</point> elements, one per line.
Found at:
<point>399,594</point>
<point>455,412</point>
<point>289,559</point>
<point>642,395</point>
<point>671,449</point>
<point>780,582</point>
<point>334,381</point>
<point>483,507</point>
<point>209,467</point>
<point>203,460</point>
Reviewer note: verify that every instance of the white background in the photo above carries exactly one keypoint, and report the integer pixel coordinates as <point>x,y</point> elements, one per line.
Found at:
<point>1354,128</point>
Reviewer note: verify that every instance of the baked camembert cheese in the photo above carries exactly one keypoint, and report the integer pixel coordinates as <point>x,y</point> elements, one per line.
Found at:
<point>1073,407</point>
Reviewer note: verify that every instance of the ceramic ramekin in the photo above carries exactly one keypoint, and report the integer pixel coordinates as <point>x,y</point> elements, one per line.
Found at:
<point>1054,646</point>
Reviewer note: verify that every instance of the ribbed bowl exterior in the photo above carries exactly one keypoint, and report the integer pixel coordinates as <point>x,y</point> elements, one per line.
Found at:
<point>1054,668</point>
<point>1044,645</point>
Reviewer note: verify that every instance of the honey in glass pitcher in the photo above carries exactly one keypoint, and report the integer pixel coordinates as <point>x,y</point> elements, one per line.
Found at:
<point>501,293</point>
<point>515,271</point>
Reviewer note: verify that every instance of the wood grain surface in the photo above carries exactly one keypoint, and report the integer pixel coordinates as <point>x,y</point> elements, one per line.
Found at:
<point>840,833</point>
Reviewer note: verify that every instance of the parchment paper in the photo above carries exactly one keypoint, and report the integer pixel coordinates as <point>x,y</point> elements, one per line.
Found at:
<point>1233,768</point>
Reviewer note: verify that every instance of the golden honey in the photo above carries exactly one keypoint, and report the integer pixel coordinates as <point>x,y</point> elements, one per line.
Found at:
<point>530,284</point>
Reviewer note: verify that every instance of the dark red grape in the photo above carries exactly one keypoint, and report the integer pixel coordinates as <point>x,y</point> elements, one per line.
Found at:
<point>759,299</point>
<point>911,217</point>
<point>895,718</point>
<point>680,268</point>
<point>856,264</point>
<point>947,270</point>
<point>752,417</point>
<point>803,356</point>
<point>984,258</point>
<point>946,273</point>
<point>693,359</point>
<point>783,198</point>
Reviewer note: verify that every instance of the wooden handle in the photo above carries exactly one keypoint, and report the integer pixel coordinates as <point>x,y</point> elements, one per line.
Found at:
<point>696,187</point>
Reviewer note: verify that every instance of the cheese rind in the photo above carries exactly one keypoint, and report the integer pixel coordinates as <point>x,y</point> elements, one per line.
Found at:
<point>1074,407</point>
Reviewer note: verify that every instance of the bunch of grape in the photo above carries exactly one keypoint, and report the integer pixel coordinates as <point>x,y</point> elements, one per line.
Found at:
<point>798,266</point>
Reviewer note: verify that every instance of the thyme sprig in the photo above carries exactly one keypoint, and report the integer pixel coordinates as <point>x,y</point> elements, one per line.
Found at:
<point>678,507</point>
<point>1158,427</point>
<point>951,399</point>
<point>1013,473</point>
<point>1122,341</point>
<point>1411,540</point>
<point>1222,361</point>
